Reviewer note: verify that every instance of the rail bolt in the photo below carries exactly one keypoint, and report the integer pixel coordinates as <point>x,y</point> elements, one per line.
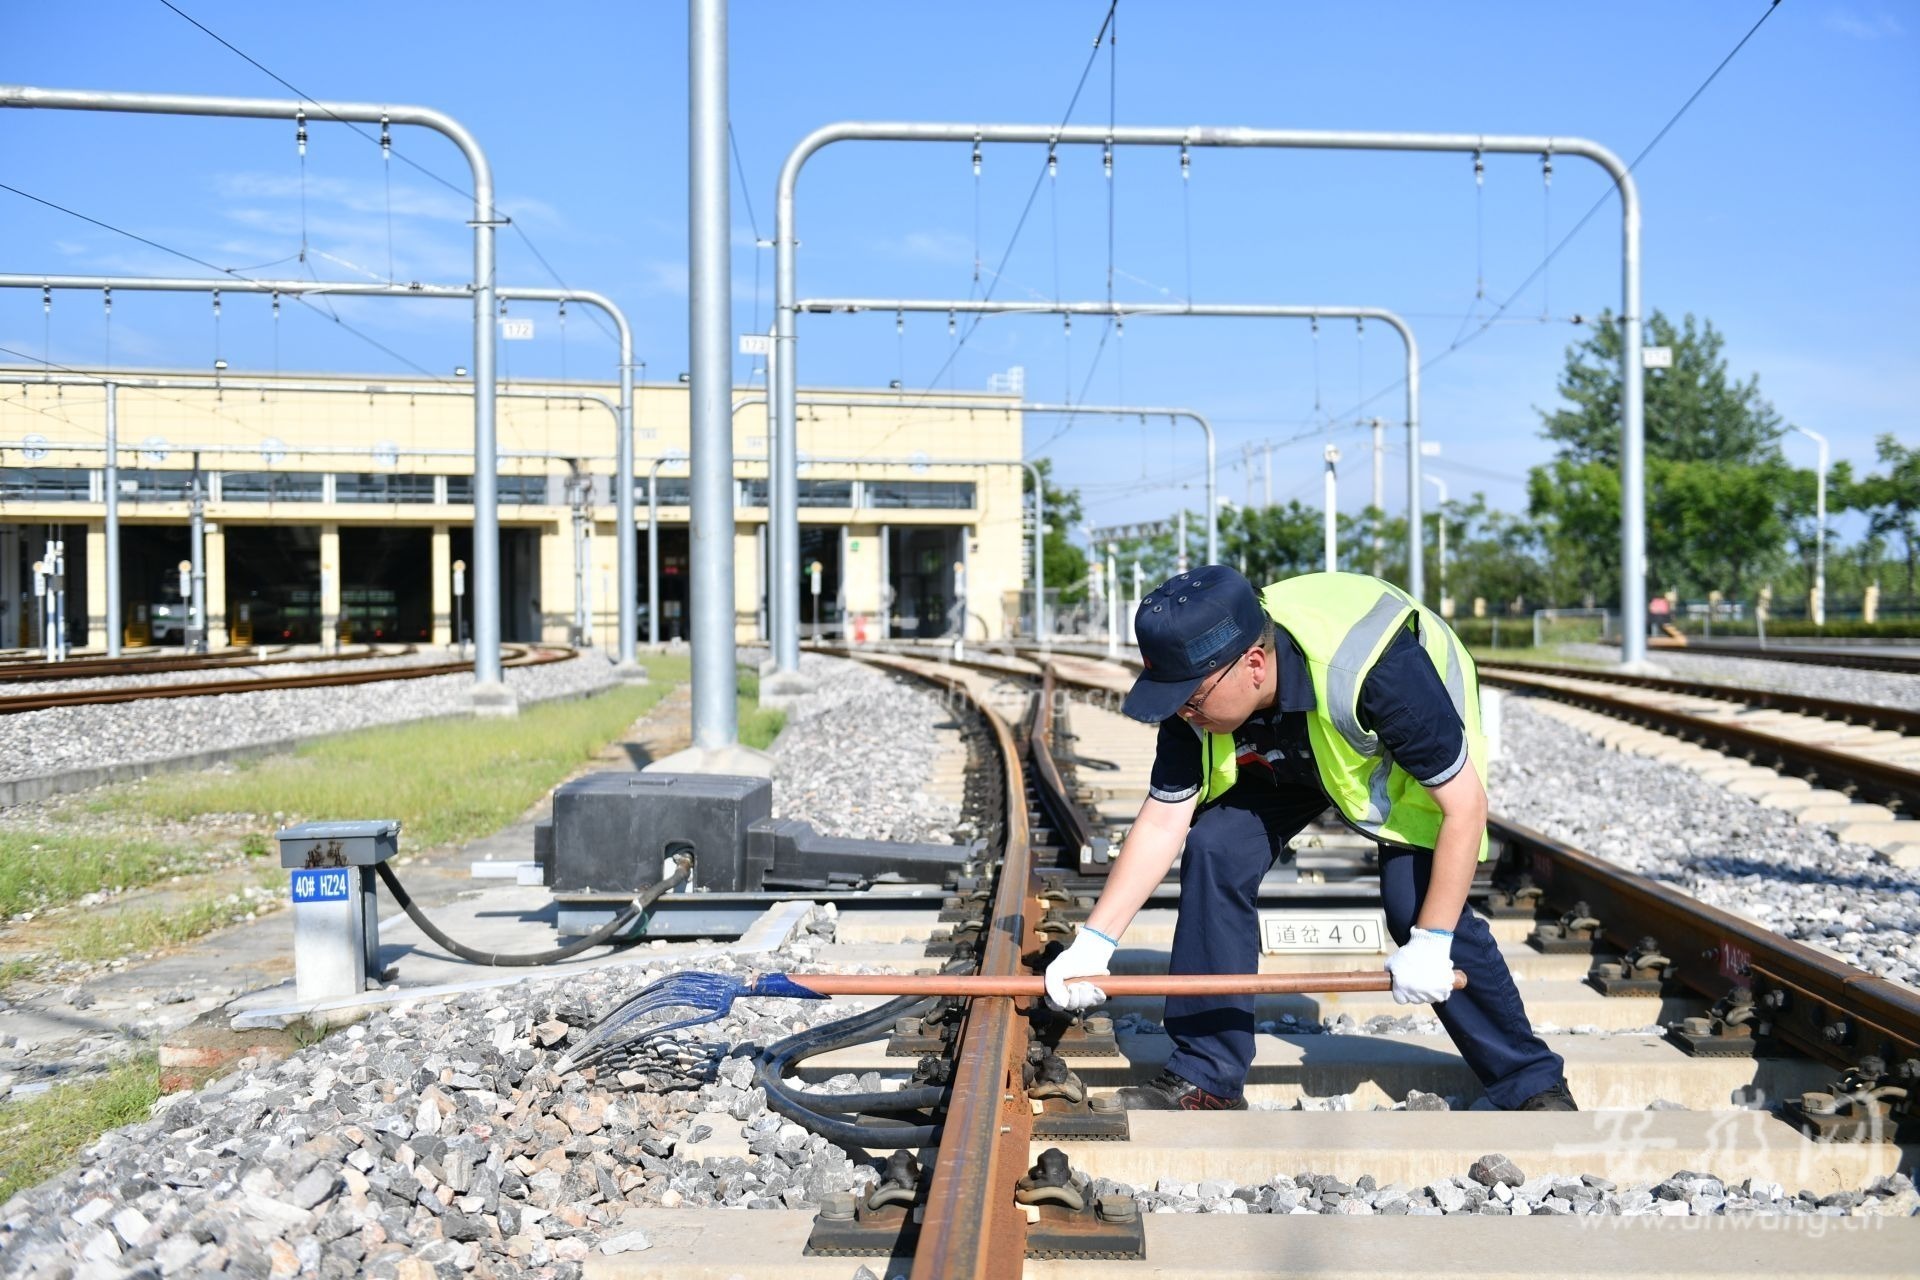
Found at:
<point>1117,1208</point>
<point>837,1206</point>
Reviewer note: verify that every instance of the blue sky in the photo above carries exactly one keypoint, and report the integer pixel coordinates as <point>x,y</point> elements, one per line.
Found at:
<point>1781,207</point>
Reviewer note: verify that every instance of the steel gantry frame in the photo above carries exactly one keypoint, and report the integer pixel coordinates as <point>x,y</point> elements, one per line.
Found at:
<point>490,691</point>
<point>110,449</point>
<point>784,487</point>
<point>1254,311</point>
<point>626,571</point>
<point>1094,410</point>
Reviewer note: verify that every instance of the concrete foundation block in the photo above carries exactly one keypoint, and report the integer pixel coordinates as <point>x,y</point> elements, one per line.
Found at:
<point>733,760</point>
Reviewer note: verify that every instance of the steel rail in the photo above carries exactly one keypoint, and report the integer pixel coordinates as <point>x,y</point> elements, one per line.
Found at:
<point>1897,719</point>
<point>114,668</point>
<point>1893,785</point>
<point>970,1228</point>
<point>1713,950</point>
<point>531,655</point>
<point>1896,662</point>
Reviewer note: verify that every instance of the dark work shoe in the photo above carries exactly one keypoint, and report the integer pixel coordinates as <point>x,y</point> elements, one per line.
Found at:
<point>1168,1092</point>
<point>1558,1098</point>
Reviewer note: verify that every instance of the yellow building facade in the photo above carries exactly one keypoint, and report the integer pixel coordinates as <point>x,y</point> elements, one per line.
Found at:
<point>341,508</point>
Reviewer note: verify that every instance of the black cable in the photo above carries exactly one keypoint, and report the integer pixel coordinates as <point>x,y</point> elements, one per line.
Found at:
<point>798,1106</point>
<point>527,959</point>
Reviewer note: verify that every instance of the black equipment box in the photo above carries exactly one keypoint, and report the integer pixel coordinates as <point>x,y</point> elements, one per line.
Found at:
<point>614,832</point>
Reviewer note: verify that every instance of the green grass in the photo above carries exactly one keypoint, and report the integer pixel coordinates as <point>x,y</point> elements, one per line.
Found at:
<point>40,870</point>
<point>40,1136</point>
<point>446,781</point>
<point>759,725</point>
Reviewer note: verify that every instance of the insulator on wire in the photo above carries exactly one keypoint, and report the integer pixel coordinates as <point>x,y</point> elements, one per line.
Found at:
<point>899,322</point>
<point>1479,169</point>
<point>1119,327</point>
<point>1546,168</point>
<point>276,304</point>
<point>1053,161</point>
<point>106,300</point>
<point>1068,324</point>
<point>1106,159</point>
<point>950,324</point>
<point>46,299</point>
<point>1186,163</point>
<point>503,306</point>
<point>216,304</point>
<point>386,140</point>
<point>976,157</point>
<point>563,308</point>
<point>300,131</point>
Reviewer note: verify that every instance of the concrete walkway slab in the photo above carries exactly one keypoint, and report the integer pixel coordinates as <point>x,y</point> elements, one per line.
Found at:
<point>719,1244</point>
<point>1622,1072</point>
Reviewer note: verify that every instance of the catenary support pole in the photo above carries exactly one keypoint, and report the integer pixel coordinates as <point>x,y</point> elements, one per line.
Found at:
<point>709,312</point>
<point>1331,501</point>
<point>1633,440</point>
<point>196,632</point>
<point>988,404</point>
<point>1440,541</point>
<point>1039,553</point>
<point>110,495</point>
<point>623,448</point>
<point>1128,310</point>
<point>1817,605</point>
<point>1379,493</point>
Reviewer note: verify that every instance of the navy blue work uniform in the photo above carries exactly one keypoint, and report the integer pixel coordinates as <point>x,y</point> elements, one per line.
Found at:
<point>1237,838</point>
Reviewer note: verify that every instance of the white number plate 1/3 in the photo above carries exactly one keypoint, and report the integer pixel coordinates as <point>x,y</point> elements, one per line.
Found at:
<point>1358,932</point>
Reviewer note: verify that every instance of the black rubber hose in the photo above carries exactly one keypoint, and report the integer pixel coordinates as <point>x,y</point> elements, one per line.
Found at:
<point>800,1106</point>
<point>527,959</point>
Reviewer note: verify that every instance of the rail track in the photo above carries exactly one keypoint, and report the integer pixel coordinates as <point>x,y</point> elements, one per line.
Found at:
<point>1899,663</point>
<point>516,656</point>
<point>1866,752</point>
<point>89,668</point>
<point>1752,1014</point>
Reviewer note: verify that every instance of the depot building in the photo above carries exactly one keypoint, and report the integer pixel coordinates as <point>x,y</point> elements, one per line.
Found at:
<point>340,509</point>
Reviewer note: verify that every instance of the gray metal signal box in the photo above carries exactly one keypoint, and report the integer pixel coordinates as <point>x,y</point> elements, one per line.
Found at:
<point>336,915</point>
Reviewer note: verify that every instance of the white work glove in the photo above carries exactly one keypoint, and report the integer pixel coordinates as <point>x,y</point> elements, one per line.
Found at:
<point>1422,970</point>
<point>1089,954</point>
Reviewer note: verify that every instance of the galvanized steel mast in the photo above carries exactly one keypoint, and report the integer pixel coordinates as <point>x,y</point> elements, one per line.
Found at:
<point>786,293</point>
<point>490,691</point>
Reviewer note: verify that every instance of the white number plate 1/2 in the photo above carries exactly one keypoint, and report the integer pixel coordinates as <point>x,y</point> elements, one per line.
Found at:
<point>1358,932</point>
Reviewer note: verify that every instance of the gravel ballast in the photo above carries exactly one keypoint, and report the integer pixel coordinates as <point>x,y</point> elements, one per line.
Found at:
<point>1875,688</point>
<point>856,755</point>
<point>1727,850</point>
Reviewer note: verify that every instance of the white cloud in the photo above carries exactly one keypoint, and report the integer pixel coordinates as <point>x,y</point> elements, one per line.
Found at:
<point>1869,27</point>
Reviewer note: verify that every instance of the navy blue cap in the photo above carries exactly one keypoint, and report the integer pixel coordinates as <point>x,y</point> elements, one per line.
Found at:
<point>1191,626</point>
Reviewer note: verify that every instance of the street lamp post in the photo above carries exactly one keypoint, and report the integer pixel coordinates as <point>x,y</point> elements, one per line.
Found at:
<point>1446,605</point>
<point>1818,606</point>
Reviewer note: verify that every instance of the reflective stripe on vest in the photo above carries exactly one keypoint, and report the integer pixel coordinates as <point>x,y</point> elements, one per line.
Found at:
<point>1343,623</point>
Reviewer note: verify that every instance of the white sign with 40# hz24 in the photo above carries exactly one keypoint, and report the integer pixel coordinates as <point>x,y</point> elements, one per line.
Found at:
<point>1357,931</point>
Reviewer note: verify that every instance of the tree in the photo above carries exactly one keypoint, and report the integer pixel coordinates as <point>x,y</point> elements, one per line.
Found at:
<point>1066,563</point>
<point>1714,471</point>
<point>1891,501</point>
<point>1694,412</point>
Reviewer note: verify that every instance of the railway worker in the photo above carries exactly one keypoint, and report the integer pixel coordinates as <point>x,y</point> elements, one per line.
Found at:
<point>1328,688</point>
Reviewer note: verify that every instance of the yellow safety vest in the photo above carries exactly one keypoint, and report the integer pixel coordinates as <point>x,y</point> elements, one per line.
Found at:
<point>1342,623</point>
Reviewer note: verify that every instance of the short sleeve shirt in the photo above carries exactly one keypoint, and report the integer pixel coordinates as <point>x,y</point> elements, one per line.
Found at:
<point>1403,700</point>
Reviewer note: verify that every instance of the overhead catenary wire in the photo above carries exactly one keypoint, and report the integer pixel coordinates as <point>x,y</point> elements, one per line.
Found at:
<point>450,185</point>
<point>225,271</point>
<point>1560,246</point>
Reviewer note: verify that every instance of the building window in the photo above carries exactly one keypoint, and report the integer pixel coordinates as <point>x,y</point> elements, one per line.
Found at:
<point>672,491</point>
<point>813,493</point>
<point>45,484</point>
<point>520,491</point>
<point>155,486</point>
<point>380,486</point>
<point>272,486</point>
<point>946,495</point>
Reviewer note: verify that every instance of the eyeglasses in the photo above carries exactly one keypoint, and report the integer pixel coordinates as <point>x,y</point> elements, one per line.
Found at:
<point>1193,707</point>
